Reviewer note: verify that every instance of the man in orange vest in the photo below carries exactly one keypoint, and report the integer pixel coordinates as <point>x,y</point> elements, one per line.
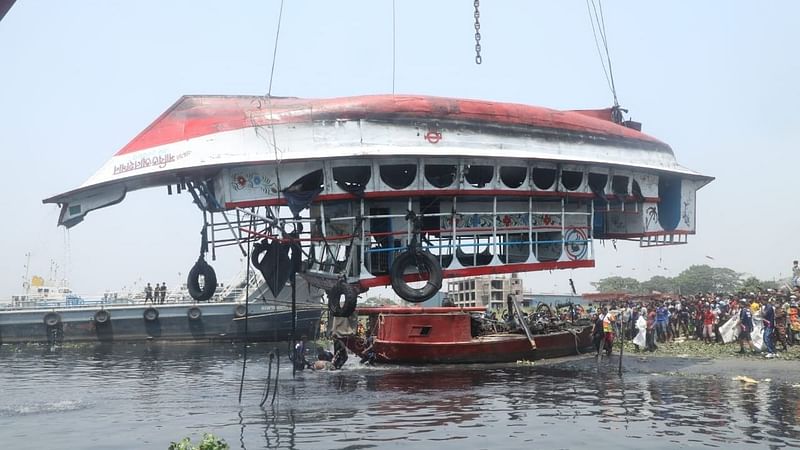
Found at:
<point>608,330</point>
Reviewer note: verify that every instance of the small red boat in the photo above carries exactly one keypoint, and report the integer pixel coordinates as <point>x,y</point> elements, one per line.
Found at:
<point>447,335</point>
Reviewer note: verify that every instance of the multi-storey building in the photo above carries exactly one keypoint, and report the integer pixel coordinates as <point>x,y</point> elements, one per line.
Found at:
<point>492,290</point>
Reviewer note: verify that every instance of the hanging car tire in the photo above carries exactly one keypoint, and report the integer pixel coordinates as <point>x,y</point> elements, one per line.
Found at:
<point>255,254</point>
<point>102,316</point>
<point>150,314</point>
<point>335,305</point>
<point>421,260</point>
<point>201,268</point>
<point>52,319</point>
<point>194,313</point>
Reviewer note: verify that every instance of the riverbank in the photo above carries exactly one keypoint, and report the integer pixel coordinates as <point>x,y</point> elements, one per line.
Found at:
<point>695,359</point>
<point>696,348</point>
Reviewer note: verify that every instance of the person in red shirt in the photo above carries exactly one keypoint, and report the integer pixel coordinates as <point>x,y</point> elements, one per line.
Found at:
<point>708,325</point>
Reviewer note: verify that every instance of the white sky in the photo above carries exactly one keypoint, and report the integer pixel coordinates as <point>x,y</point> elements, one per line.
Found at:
<point>718,81</point>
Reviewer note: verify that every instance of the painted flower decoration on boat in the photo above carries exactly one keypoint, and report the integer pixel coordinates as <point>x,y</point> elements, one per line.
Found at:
<point>254,181</point>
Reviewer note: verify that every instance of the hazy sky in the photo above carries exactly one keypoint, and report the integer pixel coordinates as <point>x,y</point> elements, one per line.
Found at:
<point>718,81</point>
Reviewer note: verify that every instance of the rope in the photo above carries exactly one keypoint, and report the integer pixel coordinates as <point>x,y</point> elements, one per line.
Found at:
<point>277,371</point>
<point>394,46</point>
<point>267,385</point>
<point>275,50</point>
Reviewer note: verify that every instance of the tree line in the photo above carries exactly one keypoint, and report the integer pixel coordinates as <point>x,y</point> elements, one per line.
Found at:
<point>697,278</point>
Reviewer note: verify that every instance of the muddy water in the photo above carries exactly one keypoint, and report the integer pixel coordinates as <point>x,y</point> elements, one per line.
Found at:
<point>144,396</point>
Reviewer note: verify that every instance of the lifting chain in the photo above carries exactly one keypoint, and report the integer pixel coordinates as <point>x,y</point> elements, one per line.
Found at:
<point>478,58</point>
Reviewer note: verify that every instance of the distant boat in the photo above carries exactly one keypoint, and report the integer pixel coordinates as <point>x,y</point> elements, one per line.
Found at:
<point>452,335</point>
<point>53,314</point>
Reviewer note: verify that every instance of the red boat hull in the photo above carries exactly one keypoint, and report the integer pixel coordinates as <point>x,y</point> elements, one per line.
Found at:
<point>445,339</point>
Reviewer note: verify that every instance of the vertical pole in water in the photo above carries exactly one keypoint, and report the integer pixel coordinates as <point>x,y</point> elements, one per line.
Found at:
<point>293,280</point>
<point>246,315</point>
<point>621,344</point>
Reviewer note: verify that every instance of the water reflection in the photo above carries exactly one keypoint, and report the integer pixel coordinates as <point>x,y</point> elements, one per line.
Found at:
<point>175,391</point>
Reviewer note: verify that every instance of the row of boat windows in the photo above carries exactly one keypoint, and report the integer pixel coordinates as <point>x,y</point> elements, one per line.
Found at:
<point>472,251</point>
<point>401,176</point>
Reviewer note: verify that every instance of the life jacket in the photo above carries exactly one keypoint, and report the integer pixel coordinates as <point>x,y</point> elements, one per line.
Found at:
<point>607,320</point>
<point>793,321</point>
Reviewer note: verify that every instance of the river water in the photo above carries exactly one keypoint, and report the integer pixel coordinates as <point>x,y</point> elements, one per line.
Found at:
<point>144,396</point>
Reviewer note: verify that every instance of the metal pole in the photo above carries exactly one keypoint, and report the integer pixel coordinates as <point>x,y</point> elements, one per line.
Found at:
<point>246,319</point>
<point>294,320</point>
<point>621,346</point>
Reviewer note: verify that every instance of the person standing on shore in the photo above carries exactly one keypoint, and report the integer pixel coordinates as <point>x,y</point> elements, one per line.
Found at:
<point>780,325</point>
<point>769,328</point>
<point>795,274</point>
<point>651,330</point>
<point>794,321</point>
<point>746,322</point>
<point>662,322</point>
<point>708,325</point>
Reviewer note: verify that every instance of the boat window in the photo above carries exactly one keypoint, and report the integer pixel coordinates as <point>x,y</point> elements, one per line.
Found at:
<point>440,175</point>
<point>543,178</point>
<point>597,183</point>
<point>636,190</point>
<point>478,176</point>
<point>548,246</point>
<point>669,209</point>
<point>474,250</point>
<point>398,176</point>
<point>514,248</point>
<point>513,177</point>
<point>571,180</point>
<point>420,330</point>
<point>352,178</point>
<point>619,185</point>
<point>309,182</point>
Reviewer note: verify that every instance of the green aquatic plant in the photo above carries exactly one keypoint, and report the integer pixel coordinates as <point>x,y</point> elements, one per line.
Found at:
<point>209,442</point>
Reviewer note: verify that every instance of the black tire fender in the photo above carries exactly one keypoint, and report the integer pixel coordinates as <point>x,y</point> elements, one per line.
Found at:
<point>150,314</point>
<point>201,268</point>
<point>239,311</point>
<point>416,257</point>
<point>102,316</point>
<point>52,319</point>
<point>335,306</point>
<point>194,313</point>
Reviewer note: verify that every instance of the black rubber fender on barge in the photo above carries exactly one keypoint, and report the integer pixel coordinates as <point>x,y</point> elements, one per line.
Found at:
<point>102,316</point>
<point>52,319</point>
<point>150,314</point>
<point>194,313</point>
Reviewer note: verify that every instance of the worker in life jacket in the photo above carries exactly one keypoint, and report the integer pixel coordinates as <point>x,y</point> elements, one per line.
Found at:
<point>608,330</point>
<point>794,321</point>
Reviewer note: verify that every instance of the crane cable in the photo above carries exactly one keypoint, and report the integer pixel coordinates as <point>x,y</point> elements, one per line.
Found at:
<point>599,26</point>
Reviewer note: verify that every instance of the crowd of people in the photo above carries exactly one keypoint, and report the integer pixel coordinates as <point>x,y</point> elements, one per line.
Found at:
<point>760,321</point>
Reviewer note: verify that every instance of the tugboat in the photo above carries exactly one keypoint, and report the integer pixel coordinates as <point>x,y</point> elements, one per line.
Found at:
<point>454,335</point>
